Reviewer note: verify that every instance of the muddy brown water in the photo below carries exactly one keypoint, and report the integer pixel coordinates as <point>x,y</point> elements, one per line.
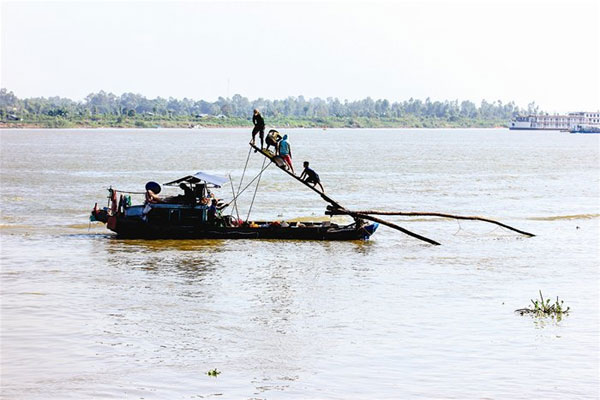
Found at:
<point>86,315</point>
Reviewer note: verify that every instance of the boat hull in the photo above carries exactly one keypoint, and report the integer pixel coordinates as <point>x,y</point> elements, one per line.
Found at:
<point>136,229</point>
<point>169,220</point>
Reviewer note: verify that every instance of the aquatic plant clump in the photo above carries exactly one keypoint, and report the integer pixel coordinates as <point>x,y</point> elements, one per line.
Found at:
<point>544,308</point>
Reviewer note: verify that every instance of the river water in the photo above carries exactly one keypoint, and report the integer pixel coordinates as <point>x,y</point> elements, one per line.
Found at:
<point>86,315</point>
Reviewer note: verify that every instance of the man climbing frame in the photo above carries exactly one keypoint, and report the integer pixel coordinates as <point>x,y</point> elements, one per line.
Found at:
<point>310,176</point>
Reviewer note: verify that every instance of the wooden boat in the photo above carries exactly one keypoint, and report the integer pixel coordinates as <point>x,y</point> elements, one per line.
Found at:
<point>181,218</point>
<point>189,217</point>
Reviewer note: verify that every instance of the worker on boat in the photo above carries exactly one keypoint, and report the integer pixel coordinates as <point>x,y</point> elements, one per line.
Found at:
<point>210,196</point>
<point>259,127</point>
<point>188,196</point>
<point>201,192</point>
<point>214,212</point>
<point>272,139</point>
<point>310,176</point>
<point>152,198</point>
<point>220,203</point>
<point>284,150</point>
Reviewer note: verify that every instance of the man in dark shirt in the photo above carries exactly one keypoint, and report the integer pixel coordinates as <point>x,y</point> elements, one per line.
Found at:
<point>213,212</point>
<point>188,194</point>
<point>310,176</point>
<point>259,126</point>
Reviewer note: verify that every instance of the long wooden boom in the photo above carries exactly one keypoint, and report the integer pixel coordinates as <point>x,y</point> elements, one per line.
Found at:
<point>335,205</point>
<point>442,215</point>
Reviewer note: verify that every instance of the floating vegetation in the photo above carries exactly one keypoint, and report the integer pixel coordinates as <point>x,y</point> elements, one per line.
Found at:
<point>213,372</point>
<point>544,308</point>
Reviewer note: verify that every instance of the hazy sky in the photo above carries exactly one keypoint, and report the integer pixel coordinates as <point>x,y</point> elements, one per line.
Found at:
<point>543,51</point>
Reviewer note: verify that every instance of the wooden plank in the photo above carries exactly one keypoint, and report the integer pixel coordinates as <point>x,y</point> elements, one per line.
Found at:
<point>323,195</point>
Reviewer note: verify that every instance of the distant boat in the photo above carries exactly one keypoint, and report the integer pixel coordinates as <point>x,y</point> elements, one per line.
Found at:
<point>585,129</point>
<point>555,122</point>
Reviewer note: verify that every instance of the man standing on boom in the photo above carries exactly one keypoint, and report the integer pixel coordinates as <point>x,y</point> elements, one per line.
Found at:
<point>284,150</point>
<point>259,127</point>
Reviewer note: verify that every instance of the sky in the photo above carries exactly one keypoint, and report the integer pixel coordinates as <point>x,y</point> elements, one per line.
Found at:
<point>523,51</point>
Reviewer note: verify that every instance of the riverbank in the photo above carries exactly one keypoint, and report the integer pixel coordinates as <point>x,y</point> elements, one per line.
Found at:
<point>113,121</point>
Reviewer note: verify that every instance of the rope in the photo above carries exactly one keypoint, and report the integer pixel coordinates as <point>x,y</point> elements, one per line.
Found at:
<point>244,189</point>
<point>256,189</point>
<point>234,202</point>
<point>243,173</point>
<point>468,233</point>
<point>125,191</point>
<point>459,227</point>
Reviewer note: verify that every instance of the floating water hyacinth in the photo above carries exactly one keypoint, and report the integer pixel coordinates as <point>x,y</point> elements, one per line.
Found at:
<point>544,308</point>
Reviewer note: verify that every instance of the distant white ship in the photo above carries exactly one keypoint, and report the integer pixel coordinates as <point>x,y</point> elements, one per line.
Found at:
<point>585,129</point>
<point>556,122</point>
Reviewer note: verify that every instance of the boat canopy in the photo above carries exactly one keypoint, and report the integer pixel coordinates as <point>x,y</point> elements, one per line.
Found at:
<point>199,177</point>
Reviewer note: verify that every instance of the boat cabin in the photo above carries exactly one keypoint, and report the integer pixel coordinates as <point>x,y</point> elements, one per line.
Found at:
<point>188,209</point>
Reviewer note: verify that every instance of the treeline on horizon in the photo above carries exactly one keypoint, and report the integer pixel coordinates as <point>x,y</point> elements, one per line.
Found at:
<point>134,110</point>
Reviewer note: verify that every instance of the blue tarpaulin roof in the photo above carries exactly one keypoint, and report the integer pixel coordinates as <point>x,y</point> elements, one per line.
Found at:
<point>200,177</point>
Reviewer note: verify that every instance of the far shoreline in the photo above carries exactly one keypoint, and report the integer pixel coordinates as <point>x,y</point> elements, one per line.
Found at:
<point>141,121</point>
<point>97,128</point>
<point>25,126</point>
